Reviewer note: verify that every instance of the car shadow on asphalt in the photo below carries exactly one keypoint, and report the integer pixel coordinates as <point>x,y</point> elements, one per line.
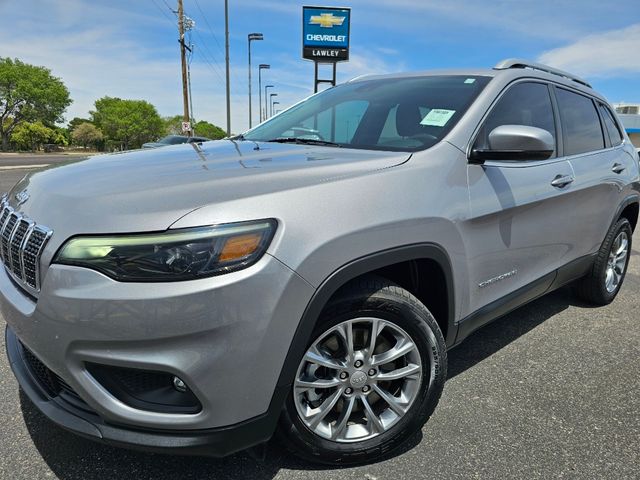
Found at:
<point>71,457</point>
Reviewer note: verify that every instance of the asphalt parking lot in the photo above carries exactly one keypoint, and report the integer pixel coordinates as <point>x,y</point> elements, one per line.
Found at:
<point>549,391</point>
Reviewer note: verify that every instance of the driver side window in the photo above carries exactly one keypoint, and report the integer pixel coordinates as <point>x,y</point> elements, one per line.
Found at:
<point>528,104</point>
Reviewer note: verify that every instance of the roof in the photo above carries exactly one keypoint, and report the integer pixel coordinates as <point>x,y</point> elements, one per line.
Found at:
<point>511,68</point>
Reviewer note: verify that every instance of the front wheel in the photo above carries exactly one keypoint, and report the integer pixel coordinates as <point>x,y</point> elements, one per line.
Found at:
<point>370,378</point>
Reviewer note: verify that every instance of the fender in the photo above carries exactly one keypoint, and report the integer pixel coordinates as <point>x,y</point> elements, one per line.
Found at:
<point>629,200</point>
<point>353,270</point>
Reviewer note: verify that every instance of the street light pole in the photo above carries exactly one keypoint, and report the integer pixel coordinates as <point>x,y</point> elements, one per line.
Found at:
<point>262,66</point>
<point>251,37</point>
<point>274,107</point>
<point>226,56</point>
<point>271,95</point>
<point>266,101</point>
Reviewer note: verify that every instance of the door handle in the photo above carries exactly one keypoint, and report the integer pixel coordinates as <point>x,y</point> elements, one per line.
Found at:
<point>618,168</point>
<point>562,181</point>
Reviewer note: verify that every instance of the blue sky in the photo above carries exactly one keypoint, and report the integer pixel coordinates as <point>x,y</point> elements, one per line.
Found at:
<point>129,48</point>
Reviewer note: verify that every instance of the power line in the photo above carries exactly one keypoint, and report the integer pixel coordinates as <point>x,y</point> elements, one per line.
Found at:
<point>169,7</point>
<point>163,12</point>
<point>234,75</point>
<point>204,17</point>
<point>209,58</point>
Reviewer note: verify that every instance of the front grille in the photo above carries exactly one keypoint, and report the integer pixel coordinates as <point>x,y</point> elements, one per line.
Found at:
<point>21,245</point>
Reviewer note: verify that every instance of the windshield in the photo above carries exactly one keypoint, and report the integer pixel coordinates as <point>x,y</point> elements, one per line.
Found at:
<point>396,114</point>
<point>172,140</point>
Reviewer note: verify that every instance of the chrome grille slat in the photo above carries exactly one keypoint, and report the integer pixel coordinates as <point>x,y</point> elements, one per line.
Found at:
<point>21,245</point>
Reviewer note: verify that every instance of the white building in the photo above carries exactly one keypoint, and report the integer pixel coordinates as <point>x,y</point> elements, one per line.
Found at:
<point>629,115</point>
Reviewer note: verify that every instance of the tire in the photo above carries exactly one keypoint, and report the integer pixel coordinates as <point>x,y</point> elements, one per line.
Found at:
<point>365,305</point>
<point>595,288</point>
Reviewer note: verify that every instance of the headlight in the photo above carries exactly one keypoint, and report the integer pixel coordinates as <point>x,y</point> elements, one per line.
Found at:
<point>183,254</point>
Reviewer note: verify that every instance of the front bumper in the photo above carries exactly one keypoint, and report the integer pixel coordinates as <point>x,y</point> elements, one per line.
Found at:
<point>217,442</point>
<point>226,337</point>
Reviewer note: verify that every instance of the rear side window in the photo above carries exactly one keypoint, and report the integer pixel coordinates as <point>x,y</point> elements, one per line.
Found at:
<point>615,137</point>
<point>581,130</point>
<point>527,103</point>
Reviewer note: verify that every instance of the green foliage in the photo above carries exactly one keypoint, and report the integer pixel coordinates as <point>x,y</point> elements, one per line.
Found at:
<point>28,93</point>
<point>31,136</point>
<point>71,126</point>
<point>127,123</point>
<point>209,130</point>
<point>59,137</point>
<point>173,125</point>
<point>86,134</point>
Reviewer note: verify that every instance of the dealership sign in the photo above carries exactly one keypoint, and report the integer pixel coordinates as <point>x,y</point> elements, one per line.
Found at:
<point>325,34</point>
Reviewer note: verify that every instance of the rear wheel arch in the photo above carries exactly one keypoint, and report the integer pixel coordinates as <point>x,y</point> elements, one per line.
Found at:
<point>629,210</point>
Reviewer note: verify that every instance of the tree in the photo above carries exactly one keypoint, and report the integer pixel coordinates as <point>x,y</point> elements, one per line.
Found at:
<point>31,136</point>
<point>127,123</point>
<point>73,123</point>
<point>28,93</point>
<point>86,134</point>
<point>209,130</point>
<point>173,125</point>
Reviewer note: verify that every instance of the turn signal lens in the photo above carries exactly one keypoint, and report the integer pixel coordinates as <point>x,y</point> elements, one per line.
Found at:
<point>238,247</point>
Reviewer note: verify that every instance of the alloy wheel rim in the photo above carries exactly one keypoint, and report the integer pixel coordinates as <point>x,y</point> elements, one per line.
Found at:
<point>617,262</point>
<point>357,380</point>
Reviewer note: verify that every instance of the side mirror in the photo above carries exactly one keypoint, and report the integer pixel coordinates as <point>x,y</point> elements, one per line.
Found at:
<point>516,142</point>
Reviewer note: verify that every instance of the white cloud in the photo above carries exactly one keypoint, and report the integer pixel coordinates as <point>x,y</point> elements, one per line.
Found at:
<point>607,54</point>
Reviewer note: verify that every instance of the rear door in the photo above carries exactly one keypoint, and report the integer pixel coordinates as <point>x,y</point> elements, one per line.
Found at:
<point>517,234</point>
<point>593,144</point>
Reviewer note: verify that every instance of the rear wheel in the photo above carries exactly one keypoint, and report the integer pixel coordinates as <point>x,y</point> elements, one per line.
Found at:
<point>370,378</point>
<point>603,282</point>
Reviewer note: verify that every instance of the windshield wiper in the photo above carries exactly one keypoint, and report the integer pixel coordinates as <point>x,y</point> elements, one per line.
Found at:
<point>305,141</point>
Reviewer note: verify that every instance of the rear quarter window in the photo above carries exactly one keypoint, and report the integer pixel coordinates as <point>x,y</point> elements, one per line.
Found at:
<point>615,137</point>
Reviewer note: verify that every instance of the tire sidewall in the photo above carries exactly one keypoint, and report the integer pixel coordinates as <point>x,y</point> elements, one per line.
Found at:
<point>621,225</point>
<point>420,325</point>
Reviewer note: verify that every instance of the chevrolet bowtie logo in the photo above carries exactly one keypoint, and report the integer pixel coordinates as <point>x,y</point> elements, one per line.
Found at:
<point>326,20</point>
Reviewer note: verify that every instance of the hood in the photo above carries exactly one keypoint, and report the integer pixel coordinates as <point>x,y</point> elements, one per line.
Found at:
<point>148,190</point>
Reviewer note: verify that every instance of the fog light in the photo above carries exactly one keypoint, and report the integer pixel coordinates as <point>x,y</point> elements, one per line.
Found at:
<point>179,385</point>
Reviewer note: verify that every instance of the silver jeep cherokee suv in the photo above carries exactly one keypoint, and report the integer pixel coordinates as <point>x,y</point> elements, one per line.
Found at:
<point>309,276</point>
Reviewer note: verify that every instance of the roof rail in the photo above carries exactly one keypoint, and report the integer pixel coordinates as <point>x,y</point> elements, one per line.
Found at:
<point>520,63</point>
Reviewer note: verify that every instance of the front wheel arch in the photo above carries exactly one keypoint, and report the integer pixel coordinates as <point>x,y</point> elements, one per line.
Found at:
<point>349,272</point>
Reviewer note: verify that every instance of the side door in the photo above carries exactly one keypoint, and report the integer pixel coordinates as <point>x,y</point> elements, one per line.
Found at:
<point>515,236</point>
<point>593,144</point>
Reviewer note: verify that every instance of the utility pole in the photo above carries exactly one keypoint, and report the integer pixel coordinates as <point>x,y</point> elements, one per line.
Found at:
<point>183,58</point>
<point>226,50</point>
<point>192,116</point>
<point>251,37</point>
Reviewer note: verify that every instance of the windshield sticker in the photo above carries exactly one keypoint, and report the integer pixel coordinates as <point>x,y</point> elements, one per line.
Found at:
<point>470,80</point>
<point>437,117</point>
